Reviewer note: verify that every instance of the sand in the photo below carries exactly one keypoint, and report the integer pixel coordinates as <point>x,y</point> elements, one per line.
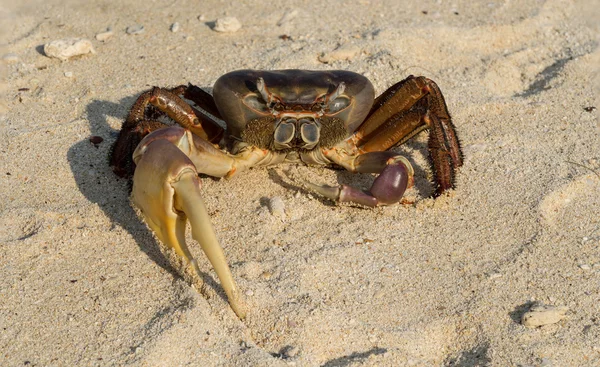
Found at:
<point>442,282</point>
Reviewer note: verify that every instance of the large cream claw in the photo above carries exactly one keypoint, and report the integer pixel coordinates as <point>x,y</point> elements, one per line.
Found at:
<point>166,188</point>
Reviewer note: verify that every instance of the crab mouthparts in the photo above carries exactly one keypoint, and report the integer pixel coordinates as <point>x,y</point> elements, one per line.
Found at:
<point>296,133</point>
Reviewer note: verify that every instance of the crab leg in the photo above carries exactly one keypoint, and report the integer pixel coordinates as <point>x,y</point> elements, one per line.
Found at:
<point>395,176</point>
<point>142,120</point>
<point>404,110</point>
<point>398,98</point>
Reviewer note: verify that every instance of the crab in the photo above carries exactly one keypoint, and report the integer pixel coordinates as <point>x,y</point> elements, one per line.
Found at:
<point>311,117</point>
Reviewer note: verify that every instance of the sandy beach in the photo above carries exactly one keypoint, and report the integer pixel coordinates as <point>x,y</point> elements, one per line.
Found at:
<point>440,282</point>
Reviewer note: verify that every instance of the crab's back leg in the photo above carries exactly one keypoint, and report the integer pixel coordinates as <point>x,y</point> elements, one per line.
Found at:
<point>142,120</point>
<point>402,111</point>
<point>394,101</point>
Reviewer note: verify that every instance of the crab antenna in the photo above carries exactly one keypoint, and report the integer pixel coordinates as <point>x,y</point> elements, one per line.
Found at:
<point>336,93</point>
<point>262,89</point>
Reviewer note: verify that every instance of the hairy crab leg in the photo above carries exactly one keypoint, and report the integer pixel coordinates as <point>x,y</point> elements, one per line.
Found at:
<point>397,130</point>
<point>214,132</point>
<point>141,121</point>
<point>395,176</point>
<point>439,110</point>
<point>396,99</point>
<point>404,110</point>
<point>203,99</point>
<point>129,138</point>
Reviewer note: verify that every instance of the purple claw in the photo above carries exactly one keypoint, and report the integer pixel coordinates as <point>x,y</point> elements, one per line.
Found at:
<point>390,185</point>
<point>388,188</point>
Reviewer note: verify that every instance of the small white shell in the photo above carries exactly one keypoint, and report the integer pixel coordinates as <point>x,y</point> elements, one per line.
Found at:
<point>227,25</point>
<point>66,48</point>
<point>540,315</point>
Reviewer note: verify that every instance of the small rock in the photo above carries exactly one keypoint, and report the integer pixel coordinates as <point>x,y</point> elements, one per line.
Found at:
<point>201,17</point>
<point>277,207</point>
<point>585,267</point>
<point>539,315</point>
<point>135,29</point>
<point>287,16</point>
<point>104,36</point>
<point>69,74</point>
<point>249,293</point>
<point>227,25</point>
<point>290,352</point>
<point>175,27</point>
<point>66,48</point>
<point>344,52</point>
<point>10,58</point>
<point>96,140</point>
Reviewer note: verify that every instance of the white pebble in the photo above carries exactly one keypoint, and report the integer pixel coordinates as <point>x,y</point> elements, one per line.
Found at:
<point>249,293</point>
<point>291,352</point>
<point>584,267</point>
<point>344,52</point>
<point>175,27</point>
<point>66,48</point>
<point>69,74</point>
<point>540,315</point>
<point>277,207</point>
<point>227,25</point>
<point>104,36</point>
<point>10,58</point>
<point>135,29</point>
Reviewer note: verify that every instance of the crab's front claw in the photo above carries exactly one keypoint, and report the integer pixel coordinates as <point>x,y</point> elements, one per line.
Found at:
<point>166,188</point>
<point>395,176</point>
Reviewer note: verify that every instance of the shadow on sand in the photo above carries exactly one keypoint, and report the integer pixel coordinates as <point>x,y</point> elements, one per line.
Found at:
<point>100,185</point>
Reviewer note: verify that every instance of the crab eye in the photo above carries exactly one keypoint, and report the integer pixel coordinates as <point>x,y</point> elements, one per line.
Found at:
<point>256,103</point>
<point>338,104</point>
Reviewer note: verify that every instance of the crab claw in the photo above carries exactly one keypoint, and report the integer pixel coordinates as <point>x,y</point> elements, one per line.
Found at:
<point>166,188</point>
<point>388,188</point>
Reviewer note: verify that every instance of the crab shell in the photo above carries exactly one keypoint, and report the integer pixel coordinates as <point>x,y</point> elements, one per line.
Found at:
<point>297,94</point>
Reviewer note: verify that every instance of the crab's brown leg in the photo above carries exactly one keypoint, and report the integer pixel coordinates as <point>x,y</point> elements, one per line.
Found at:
<point>444,152</point>
<point>404,110</point>
<point>129,138</point>
<point>438,108</point>
<point>396,130</point>
<point>398,98</point>
<point>138,124</point>
<point>204,100</point>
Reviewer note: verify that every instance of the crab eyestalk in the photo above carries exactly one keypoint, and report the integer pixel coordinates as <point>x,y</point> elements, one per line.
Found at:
<point>335,94</point>
<point>264,92</point>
